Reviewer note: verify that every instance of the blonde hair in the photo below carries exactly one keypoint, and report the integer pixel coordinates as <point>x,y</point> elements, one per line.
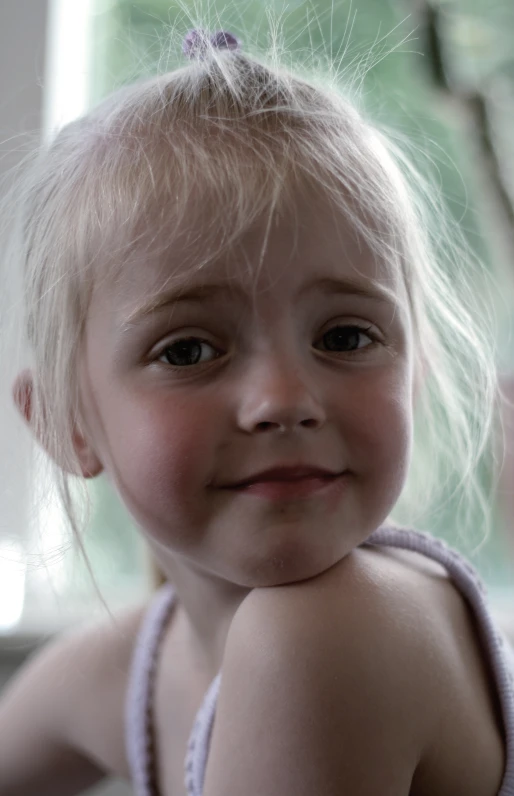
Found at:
<point>246,133</point>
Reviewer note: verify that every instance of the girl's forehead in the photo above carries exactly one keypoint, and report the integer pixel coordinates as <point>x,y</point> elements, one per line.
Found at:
<point>276,254</point>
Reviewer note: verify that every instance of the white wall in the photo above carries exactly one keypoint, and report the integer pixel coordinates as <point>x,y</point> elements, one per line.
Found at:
<point>23,27</point>
<point>22,59</point>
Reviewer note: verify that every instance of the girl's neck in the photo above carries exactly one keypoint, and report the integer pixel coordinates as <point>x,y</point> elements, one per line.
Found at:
<point>206,605</point>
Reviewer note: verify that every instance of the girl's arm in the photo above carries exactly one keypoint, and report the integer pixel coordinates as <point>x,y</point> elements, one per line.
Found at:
<point>61,717</point>
<point>324,691</point>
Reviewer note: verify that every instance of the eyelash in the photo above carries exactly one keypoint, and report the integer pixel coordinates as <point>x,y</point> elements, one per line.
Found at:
<point>361,330</point>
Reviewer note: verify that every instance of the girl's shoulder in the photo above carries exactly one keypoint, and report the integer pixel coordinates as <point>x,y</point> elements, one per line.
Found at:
<point>100,658</point>
<point>393,643</point>
<point>89,670</point>
<point>62,714</point>
<point>466,750</point>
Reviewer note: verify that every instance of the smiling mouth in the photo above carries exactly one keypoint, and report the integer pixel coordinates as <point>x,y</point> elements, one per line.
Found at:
<point>276,489</point>
<point>286,473</point>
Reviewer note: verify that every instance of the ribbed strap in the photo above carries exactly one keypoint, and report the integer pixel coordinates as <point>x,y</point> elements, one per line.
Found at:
<point>138,706</point>
<point>200,739</point>
<point>470,584</point>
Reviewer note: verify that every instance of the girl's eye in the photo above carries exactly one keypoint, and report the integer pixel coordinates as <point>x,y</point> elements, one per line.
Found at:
<point>348,339</point>
<point>184,352</point>
<point>187,351</point>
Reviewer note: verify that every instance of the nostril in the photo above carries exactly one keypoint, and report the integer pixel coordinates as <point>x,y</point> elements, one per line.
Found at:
<point>265,425</point>
<point>310,423</point>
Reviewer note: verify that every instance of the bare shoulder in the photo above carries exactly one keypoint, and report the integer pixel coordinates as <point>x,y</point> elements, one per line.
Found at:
<point>371,601</point>
<point>325,672</point>
<point>100,657</point>
<point>73,689</point>
<point>393,643</point>
<point>466,753</point>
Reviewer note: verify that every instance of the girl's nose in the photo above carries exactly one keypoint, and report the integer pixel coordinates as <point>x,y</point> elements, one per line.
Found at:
<point>276,396</point>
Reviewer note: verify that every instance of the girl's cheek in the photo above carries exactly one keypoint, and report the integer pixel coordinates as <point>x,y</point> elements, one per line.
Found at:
<point>166,443</point>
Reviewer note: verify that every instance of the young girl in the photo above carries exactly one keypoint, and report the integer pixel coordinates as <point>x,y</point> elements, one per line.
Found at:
<point>234,306</point>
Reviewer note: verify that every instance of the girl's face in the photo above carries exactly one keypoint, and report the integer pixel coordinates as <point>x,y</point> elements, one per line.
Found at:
<point>308,361</point>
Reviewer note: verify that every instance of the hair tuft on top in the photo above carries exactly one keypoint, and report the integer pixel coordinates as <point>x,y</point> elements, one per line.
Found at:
<point>197,42</point>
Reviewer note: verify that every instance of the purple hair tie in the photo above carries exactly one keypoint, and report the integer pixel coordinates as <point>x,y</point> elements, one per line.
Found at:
<point>197,42</point>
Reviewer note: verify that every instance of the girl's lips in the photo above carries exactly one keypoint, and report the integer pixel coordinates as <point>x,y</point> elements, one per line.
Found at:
<point>291,489</point>
<point>286,473</point>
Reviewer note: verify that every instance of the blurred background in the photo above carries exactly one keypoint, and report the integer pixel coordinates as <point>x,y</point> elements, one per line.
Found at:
<point>440,73</point>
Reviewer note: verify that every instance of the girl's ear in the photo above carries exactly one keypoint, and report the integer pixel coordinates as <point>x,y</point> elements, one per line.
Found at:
<point>90,464</point>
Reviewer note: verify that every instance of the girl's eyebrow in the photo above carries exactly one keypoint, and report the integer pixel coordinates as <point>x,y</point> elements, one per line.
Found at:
<point>201,293</point>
